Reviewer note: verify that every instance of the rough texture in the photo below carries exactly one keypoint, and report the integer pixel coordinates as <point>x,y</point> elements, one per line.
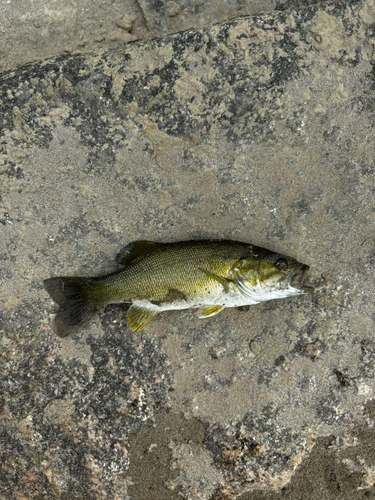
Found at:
<point>261,130</point>
<point>32,29</point>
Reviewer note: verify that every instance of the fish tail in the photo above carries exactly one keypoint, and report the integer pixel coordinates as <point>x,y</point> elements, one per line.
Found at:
<point>76,306</point>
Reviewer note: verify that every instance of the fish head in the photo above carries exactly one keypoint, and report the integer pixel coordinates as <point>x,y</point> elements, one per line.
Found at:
<point>271,273</point>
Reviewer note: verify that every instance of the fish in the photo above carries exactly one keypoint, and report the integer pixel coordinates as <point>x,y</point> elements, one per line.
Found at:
<point>207,275</point>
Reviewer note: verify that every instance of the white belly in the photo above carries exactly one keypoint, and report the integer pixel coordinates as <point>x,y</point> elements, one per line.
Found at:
<point>232,298</point>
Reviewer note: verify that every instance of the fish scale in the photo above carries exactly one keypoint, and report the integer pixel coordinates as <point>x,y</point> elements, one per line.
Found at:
<point>151,276</point>
<point>208,275</point>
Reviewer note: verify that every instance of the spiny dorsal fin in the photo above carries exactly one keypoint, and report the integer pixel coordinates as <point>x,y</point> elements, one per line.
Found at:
<point>206,312</point>
<point>136,249</point>
<point>139,317</point>
<point>223,281</point>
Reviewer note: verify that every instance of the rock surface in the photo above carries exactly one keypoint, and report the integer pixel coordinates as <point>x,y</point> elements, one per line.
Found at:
<point>260,130</point>
<point>34,29</point>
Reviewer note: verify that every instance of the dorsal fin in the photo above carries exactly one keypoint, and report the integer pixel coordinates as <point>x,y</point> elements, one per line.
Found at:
<point>135,250</point>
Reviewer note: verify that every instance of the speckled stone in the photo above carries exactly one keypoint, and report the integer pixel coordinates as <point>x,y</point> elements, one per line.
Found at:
<point>36,29</point>
<point>260,130</point>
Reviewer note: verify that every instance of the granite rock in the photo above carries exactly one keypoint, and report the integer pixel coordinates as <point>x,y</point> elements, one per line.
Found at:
<point>35,29</point>
<point>260,129</point>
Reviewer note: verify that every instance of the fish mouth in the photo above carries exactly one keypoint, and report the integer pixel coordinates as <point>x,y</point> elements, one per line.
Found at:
<point>296,280</point>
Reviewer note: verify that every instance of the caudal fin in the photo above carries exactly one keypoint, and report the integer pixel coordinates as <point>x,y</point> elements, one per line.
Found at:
<point>76,309</point>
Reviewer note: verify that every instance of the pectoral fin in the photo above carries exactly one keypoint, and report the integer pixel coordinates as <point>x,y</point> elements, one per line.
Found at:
<point>224,282</point>
<point>206,312</point>
<point>139,317</point>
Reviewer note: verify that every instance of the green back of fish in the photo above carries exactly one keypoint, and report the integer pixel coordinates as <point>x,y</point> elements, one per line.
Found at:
<point>169,272</point>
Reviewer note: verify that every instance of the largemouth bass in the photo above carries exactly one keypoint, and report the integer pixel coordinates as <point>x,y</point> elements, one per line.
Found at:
<point>157,277</point>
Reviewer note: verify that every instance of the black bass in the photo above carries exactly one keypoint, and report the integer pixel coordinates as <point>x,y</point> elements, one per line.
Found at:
<point>207,275</point>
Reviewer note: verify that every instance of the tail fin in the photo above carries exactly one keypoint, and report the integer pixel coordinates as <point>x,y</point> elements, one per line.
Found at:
<point>76,309</point>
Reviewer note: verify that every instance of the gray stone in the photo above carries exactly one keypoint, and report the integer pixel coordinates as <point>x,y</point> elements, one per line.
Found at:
<point>260,130</point>
<point>31,30</point>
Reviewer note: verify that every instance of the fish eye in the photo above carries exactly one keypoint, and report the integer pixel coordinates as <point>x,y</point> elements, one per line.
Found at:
<point>281,264</point>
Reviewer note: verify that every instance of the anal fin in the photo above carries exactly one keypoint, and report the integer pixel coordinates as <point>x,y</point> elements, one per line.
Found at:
<point>139,317</point>
<point>206,312</point>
